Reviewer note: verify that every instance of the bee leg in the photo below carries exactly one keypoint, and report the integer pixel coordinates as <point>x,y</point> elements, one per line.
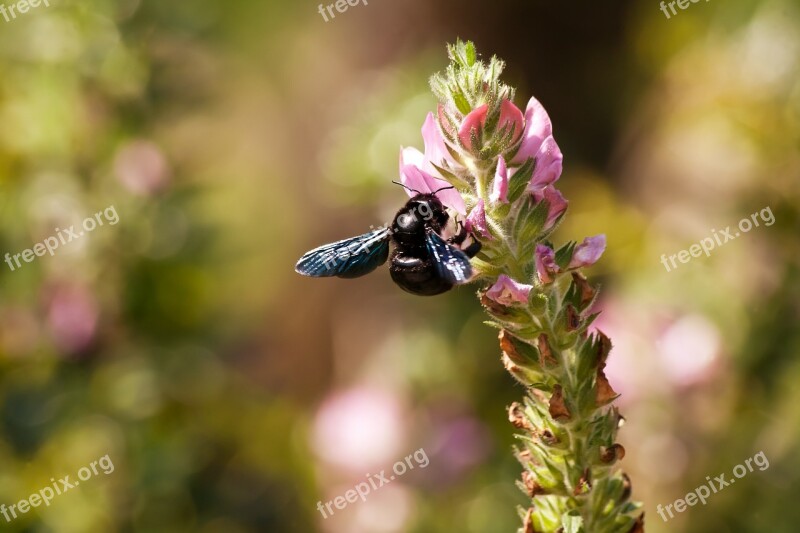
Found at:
<point>473,249</point>
<point>459,238</point>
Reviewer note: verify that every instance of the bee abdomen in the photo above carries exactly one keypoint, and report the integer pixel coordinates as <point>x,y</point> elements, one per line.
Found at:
<point>417,275</point>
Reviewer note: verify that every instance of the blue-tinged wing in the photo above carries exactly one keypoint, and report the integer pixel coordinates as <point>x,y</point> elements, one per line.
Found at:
<point>349,258</point>
<point>451,263</point>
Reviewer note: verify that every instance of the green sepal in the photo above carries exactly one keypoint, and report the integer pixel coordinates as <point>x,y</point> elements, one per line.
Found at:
<point>572,522</point>
<point>530,220</point>
<point>519,181</point>
<point>564,254</point>
<point>456,181</point>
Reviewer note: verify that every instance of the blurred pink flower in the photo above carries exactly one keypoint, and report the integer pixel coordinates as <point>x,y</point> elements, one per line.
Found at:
<point>459,445</point>
<point>72,317</point>
<point>508,292</point>
<point>141,167</point>
<point>387,510</point>
<point>359,429</point>
<point>631,330</point>
<point>689,350</point>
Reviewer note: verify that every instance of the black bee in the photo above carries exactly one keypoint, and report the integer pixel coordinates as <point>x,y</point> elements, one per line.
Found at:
<point>422,262</point>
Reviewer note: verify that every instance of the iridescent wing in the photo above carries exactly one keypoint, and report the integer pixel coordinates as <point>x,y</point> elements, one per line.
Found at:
<point>452,264</point>
<point>348,258</point>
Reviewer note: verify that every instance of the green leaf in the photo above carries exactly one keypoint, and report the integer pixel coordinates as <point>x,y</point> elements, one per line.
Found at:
<point>519,181</point>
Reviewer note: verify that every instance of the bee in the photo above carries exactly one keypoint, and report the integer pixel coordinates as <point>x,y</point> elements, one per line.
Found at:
<point>423,261</point>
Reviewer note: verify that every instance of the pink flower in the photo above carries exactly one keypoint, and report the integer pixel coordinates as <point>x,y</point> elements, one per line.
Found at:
<point>549,164</point>
<point>690,350</point>
<point>508,292</point>
<point>417,172</point>
<point>472,125</point>
<point>538,127</point>
<point>141,167</point>
<point>546,267</point>
<point>499,192</point>
<point>585,254</point>
<point>588,252</point>
<point>436,152</point>
<point>538,143</point>
<point>72,317</point>
<point>359,428</point>
<point>476,221</point>
<point>556,204</point>
<point>460,443</point>
<point>510,119</point>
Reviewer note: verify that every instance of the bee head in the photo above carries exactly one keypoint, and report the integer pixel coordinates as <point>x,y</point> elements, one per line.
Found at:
<point>421,211</point>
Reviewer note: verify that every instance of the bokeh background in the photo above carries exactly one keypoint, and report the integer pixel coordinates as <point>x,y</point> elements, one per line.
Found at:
<point>232,395</point>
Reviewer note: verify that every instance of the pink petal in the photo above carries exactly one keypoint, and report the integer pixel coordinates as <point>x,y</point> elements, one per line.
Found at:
<point>537,128</point>
<point>451,197</point>
<point>435,149</point>
<point>511,117</point>
<point>411,176</point>
<point>499,192</point>
<point>422,182</point>
<point>72,317</point>
<point>476,221</point>
<point>588,252</point>
<point>411,156</point>
<point>508,292</point>
<point>474,121</point>
<point>415,180</point>
<point>557,204</point>
<point>549,163</point>
<point>546,265</point>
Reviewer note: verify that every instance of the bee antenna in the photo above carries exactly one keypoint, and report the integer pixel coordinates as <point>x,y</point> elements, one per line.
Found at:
<point>444,189</point>
<point>406,187</point>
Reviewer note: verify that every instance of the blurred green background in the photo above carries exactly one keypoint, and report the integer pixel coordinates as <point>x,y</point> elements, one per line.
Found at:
<point>232,395</point>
